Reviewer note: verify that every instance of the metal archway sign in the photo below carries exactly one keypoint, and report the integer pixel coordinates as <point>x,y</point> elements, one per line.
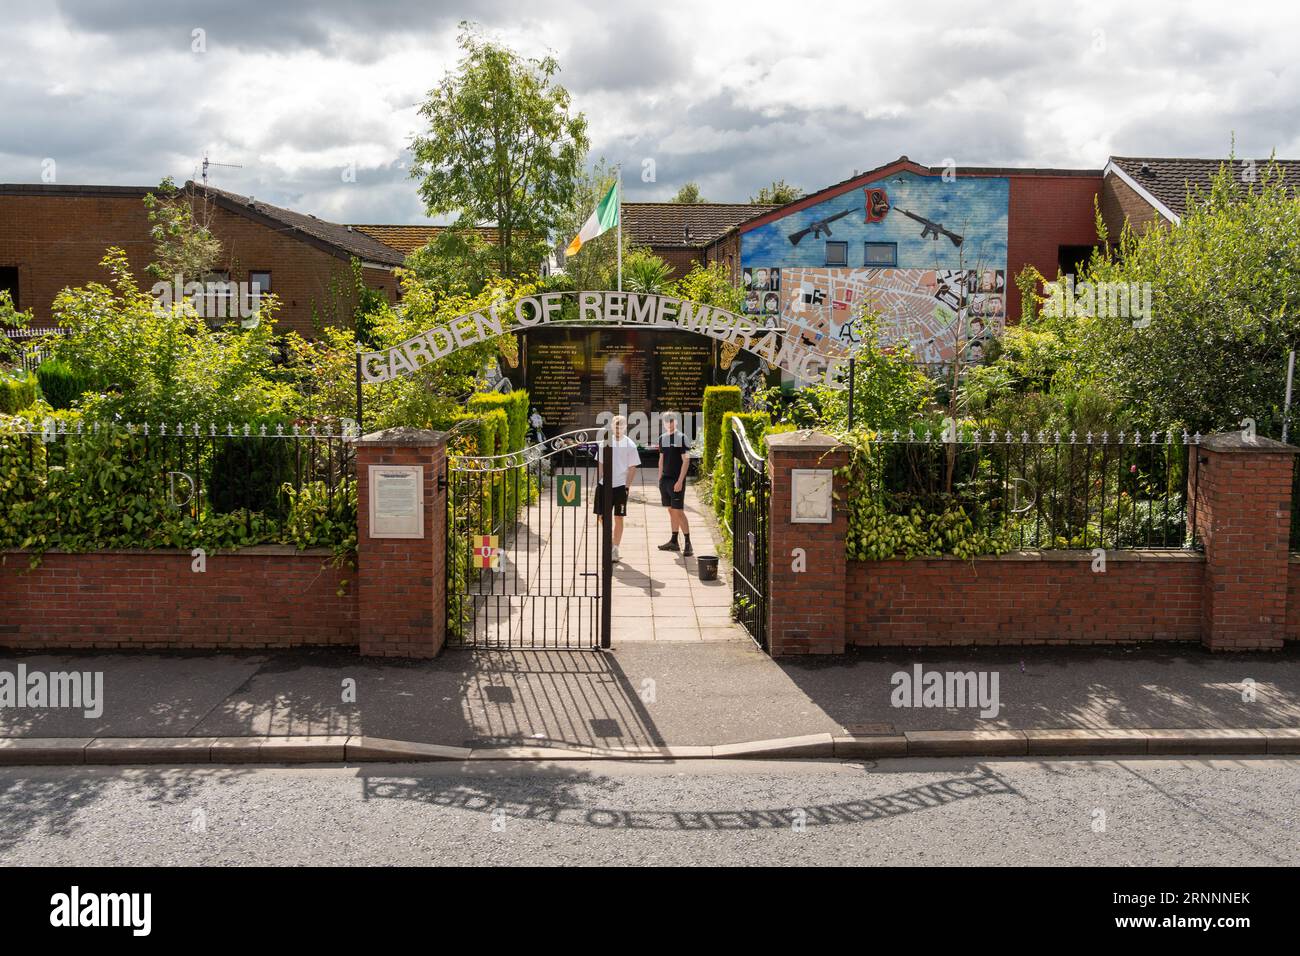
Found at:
<point>785,348</point>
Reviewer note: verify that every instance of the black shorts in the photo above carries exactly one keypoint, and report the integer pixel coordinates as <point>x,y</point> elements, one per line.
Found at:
<point>669,497</point>
<point>620,500</point>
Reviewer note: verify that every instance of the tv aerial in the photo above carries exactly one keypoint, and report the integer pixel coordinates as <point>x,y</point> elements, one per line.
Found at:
<point>207,162</point>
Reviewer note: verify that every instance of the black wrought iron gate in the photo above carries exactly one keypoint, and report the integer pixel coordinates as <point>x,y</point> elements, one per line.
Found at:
<point>749,507</point>
<point>528,564</point>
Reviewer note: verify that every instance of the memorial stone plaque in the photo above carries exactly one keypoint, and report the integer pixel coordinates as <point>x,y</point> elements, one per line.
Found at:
<point>396,501</point>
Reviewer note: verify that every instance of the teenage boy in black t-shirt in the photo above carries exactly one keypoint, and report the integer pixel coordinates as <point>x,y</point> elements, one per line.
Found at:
<point>673,465</point>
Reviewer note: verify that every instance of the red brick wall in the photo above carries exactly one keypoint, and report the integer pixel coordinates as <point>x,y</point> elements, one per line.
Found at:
<point>682,260</point>
<point>256,598</point>
<point>1119,201</point>
<point>1048,598</point>
<point>57,240</point>
<point>402,582</point>
<point>806,609</point>
<point>727,252</point>
<point>1045,213</point>
<point>1243,518</point>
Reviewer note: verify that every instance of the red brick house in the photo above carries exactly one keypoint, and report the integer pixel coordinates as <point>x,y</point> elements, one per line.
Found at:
<point>1152,190</point>
<point>682,233</point>
<point>53,237</point>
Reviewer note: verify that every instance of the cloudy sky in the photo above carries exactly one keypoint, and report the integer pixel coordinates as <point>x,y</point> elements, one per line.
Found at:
<point>731,95</point>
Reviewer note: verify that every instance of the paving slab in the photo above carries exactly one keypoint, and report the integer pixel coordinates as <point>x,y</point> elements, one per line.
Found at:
<point>658,693</point>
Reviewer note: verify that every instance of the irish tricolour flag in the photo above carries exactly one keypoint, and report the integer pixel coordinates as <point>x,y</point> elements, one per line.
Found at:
<point>602,220</point>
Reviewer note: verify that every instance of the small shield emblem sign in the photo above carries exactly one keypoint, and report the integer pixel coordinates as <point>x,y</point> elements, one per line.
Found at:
<point>568,491</point>
<point>486,552</point>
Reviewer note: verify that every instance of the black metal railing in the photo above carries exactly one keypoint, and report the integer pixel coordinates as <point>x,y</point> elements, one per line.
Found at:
<point>523,550</point>
<point>1046,490</point>
<point>1295,504</point>
<point>749,536</point>
<point>199,471</point>
<point>32,345</point>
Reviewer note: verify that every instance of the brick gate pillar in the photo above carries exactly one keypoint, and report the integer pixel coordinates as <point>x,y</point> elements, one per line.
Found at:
<point>1242,496</point>
<point>806,587</point>
<point>401,543</point>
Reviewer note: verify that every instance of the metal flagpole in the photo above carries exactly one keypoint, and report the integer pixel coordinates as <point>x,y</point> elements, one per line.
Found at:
<point>619,237</point>
<point>1286,408</point>
<point>360,427</point>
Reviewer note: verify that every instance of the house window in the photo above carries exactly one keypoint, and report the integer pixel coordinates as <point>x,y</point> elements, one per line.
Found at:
<point>262,280</point>
<point>9,283</point>
<point>837,253</point>
<point>880,254</point>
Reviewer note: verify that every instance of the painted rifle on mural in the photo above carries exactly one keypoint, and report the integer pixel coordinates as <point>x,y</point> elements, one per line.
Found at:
<point>785,347</point>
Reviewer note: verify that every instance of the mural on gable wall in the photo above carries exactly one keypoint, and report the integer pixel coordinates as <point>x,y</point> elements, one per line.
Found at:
<point>928,256</point>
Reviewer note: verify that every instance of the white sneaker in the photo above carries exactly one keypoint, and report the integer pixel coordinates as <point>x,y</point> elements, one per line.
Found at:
<point>614,553</point>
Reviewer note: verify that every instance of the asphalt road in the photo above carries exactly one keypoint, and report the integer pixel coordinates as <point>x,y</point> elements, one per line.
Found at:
<point>1014,811</point>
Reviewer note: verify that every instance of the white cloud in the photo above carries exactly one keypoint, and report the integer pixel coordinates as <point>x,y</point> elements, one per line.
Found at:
<point>730,95</point>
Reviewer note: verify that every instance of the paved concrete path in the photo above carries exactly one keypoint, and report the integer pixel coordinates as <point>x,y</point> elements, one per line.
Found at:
<point>658,595</point>
<point>545,593</point>
<point>653,692</point>
<point>1132,812</point>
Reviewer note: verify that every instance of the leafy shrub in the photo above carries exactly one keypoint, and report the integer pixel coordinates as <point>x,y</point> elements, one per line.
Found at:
<point>108,488</point>
<point>755,423</point>
<point>61,385</point>
<point>249,475</point>
<point>17,392</point>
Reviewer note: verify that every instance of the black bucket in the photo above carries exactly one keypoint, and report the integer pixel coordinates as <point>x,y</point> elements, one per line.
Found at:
<point>707,564</point>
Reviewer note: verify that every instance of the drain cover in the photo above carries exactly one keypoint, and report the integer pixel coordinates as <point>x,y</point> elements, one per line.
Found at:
<point>499,695</point>
<point>605,727</point>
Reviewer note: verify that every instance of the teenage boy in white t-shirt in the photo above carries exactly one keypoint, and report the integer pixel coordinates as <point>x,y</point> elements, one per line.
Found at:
<point>626,458</point>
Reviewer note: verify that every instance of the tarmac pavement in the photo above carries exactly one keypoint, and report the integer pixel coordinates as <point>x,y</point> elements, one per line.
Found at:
<point>652,693</point>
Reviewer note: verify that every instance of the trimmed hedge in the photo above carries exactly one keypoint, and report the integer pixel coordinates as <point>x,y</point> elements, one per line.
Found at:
<point>61,384</point>
<point>756,423</point>
<point>718,400</point>
<point>17,392</point>
<point>515,407</point>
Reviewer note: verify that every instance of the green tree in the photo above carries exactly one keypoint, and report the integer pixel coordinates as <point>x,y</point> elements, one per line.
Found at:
<point>711,285</point>
<point>690,193</point>
<point>502,147</point>
<point>157,364</point>
<point>1224,309</point>
<point>457,261</point>
<point>180,227</point>
<point>778,193</point>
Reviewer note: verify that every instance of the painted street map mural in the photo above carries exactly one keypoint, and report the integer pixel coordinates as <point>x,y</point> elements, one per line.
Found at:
<point>926,255</point>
